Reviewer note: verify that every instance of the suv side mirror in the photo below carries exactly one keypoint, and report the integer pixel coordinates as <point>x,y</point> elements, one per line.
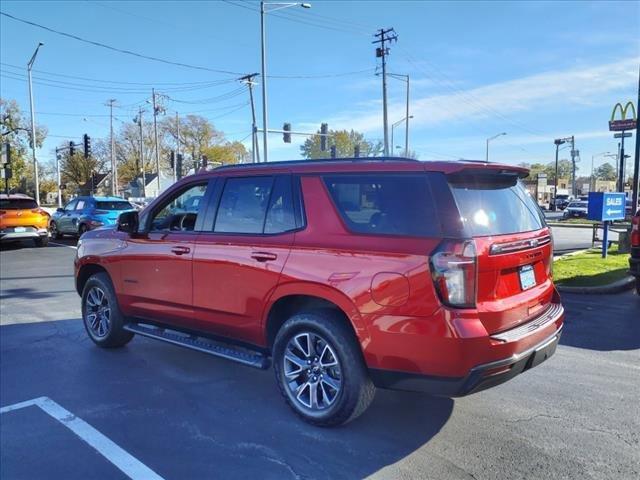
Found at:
<point>128,222</point>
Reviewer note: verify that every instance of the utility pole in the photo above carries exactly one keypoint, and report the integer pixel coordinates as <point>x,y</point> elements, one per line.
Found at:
<point>636,167</point>
<point>574,154</point>
<point>384,35</point>
<point>248,80</point>
<point>144,178</point>
<point>175,163</point>
<point>114,171</point>
<point>155,133</point>
<point>59,178</point>
<point>33,125</point>
<point>406,126</point>
<point>265,125</point>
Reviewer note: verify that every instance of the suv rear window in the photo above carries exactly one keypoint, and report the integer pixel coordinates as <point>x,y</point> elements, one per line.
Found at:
<point>387,204</point>
<point>17,204</point>
<point>495,205</point>
<point>115,205</point>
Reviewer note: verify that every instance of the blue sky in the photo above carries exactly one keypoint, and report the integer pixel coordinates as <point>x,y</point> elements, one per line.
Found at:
<point>536,70</point>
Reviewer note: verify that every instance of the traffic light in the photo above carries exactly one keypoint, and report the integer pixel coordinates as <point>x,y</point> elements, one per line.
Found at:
<point>87,145</point>
<point>72,149</point>
<point>356,151</point>
<point>333,151</point>
<point>324,129</point>
<point>6,154</point>
<point>205,161</point>
<point>286,136</point>
<point>172,159</point>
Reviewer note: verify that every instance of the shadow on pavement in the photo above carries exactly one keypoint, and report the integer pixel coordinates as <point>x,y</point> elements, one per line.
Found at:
<point>190,415</point>
<point>602,322</point>
<point>29,293</point>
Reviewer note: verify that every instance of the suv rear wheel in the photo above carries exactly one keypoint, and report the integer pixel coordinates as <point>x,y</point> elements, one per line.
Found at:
<point>101,315</point>
<point>320,370</point>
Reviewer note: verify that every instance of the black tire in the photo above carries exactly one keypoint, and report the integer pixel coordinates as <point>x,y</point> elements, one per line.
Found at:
<point>41,242</point>
<point>356,390</point>
<point>82,228</point>
<point>113,334</point>
<point>55,233</point>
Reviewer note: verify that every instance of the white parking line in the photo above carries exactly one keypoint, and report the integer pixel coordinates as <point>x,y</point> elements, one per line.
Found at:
<point>63,245</point>
<point>128,464</point>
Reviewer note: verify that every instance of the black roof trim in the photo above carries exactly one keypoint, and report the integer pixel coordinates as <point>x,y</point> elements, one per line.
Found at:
<point>315,162</point>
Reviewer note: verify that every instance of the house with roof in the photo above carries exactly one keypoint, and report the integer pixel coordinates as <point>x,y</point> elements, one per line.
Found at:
<point>134,189</point>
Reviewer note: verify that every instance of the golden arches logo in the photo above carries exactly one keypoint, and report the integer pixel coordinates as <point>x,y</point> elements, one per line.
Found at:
<point>624,123</point>
<point>623,111</point>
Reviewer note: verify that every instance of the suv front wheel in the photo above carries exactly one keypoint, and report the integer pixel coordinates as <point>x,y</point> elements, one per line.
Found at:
<point>320,370</point>
<point>101,315</point>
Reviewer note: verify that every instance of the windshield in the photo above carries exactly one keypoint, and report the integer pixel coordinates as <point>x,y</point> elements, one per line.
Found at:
<point>114,205</point>
<point>17,204</point>
<point>578,205</point>
<point>493,205</point>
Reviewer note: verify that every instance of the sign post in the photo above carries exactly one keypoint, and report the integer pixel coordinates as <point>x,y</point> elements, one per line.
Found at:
<point>606,207</point>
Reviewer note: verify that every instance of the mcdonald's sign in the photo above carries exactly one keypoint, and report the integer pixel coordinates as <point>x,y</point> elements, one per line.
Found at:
<point>624,123</point>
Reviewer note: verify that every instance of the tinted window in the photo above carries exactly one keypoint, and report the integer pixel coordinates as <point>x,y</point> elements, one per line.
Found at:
<point>178,214</point>
<point>495,205</point>
<point>243,205</point>
<point>393,204</point>
<point>80,205</point>
<point>280,215</point>
<point>17,204</point>
<point>114,205</point>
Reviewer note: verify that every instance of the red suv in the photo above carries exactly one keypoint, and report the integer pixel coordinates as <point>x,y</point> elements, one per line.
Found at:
<point>345,274</point>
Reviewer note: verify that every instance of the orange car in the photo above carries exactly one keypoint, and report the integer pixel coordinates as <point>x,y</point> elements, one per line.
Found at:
<point>21,219</point>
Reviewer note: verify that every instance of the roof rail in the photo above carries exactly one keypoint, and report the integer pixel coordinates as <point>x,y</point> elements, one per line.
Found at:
<point>320,160</point>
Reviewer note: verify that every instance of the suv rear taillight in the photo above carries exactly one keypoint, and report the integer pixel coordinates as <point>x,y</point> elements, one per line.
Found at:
<point>454,272</point>
<point>635,231</point>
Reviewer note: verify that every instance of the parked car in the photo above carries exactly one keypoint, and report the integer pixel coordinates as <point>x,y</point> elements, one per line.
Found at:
<point>345,274</point>
<point>634,259</point>
<point>22,219</point>
<point>562,200</point>
<point>86,213</point>
<point>576,210</point>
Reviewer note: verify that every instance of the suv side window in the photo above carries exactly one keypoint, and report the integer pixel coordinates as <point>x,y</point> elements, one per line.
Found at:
<point>280,214</point>
<point>80,205</point>
<point>243,205</point>
<point>180,212</point>
<point>71,205</point>
<point>385,203</point>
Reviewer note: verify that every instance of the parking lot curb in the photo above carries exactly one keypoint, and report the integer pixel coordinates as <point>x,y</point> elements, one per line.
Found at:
<point>626,283</point>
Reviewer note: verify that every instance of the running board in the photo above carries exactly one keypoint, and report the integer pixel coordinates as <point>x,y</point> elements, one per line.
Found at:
<point>201,344</point>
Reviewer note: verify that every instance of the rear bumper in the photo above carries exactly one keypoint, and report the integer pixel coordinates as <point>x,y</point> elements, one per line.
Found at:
<point>479,378</point>
<point>15,236</point>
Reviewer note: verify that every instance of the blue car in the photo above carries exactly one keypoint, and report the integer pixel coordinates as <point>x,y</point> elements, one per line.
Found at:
<point>86,213</point>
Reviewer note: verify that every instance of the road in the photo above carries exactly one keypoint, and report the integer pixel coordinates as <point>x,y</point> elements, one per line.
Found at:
<point>186,415</point>
<point>567,239</point>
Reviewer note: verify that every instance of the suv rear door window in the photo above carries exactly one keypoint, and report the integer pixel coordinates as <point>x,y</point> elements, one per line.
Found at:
<point>280,215</point>
<point>495,205</point>
<point>388,204</point>
<point>243,205</point>
<point>113,205</point>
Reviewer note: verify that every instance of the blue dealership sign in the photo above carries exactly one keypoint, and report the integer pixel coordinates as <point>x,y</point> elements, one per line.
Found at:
<point>606,206</point>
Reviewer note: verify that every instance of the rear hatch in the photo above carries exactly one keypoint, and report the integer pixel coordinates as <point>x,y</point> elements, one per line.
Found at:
<point>21,212</point>
<point>514,249</point>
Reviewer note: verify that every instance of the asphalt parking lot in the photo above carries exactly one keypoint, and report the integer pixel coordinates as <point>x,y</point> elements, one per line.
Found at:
<point>165,412</point>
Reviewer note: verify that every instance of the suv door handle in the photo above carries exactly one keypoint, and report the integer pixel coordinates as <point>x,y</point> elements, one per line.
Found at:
<point>180,250</point>
<point>263,256</point>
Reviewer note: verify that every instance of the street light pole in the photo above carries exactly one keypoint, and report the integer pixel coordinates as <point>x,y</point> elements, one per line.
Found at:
<point>33,125</point>
<point>592,184</point>
<point>488,140</point>
<point>393,126</point>
<point>263,9</point>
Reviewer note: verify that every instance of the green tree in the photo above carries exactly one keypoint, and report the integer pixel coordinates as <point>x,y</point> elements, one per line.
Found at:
<point>15,129</point>
<point>196,135</point>
<point>76,170</point>
<point>229,153</point>
<point>564,170</point>
<point>345,142</point>
<point>606,171</point>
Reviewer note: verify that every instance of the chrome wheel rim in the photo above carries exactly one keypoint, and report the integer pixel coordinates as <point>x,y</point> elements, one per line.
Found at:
<point>53,229</point>
<point>312,371</point>
<point>98,313</point>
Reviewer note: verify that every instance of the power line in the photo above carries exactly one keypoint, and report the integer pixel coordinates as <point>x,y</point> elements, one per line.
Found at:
<point>147,84</point>
<point>115,49</point>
